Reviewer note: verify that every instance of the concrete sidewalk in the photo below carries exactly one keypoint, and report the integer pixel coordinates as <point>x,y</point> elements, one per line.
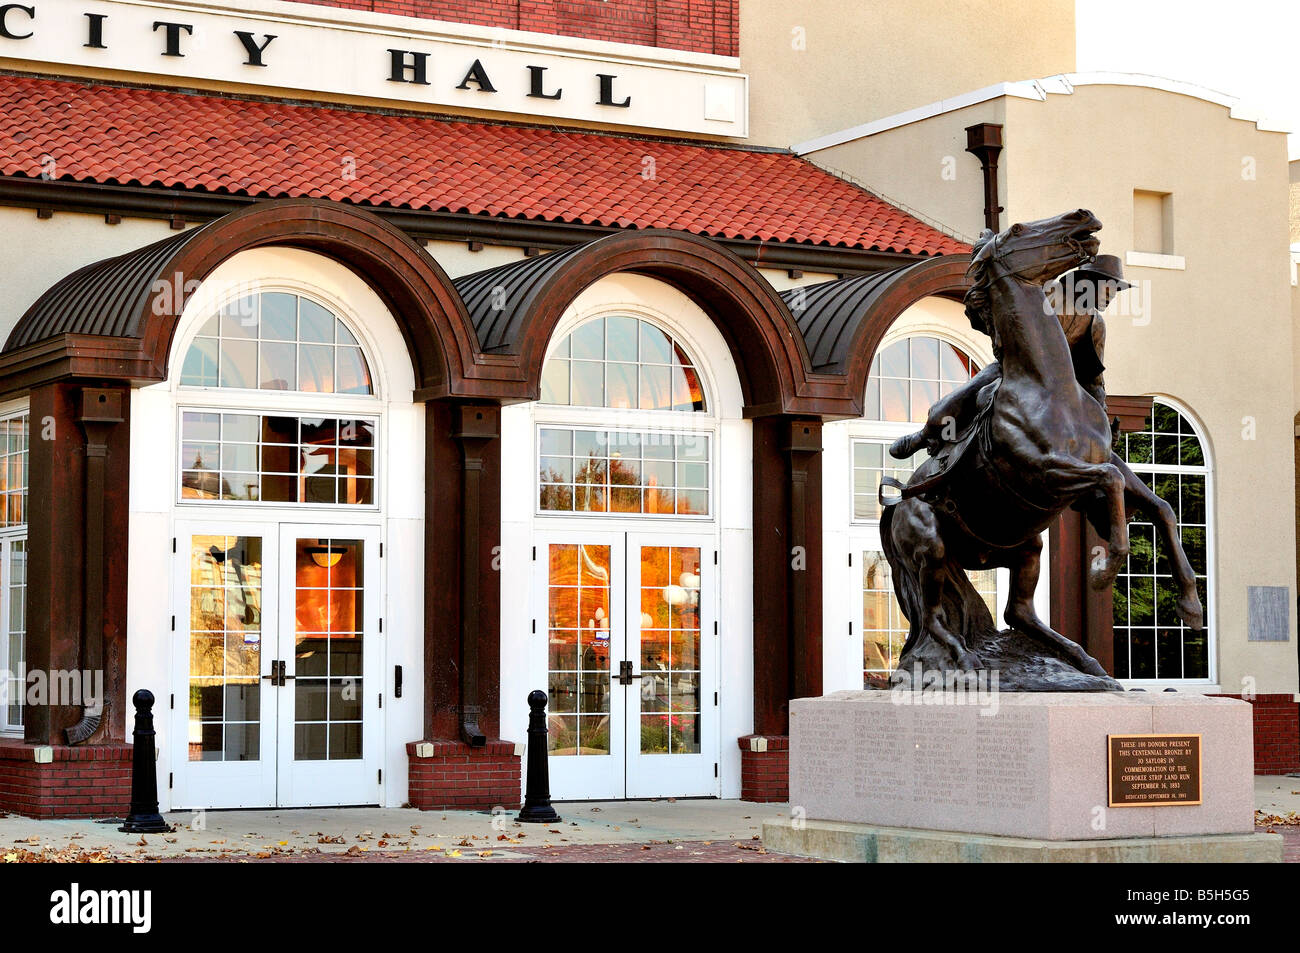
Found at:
<point>361,831</point>
<point>364,830</point>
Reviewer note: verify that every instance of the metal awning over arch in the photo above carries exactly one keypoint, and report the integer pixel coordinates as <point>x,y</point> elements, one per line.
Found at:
<point>842,322</point>
<point>115,319</point>
<point>516,307</point>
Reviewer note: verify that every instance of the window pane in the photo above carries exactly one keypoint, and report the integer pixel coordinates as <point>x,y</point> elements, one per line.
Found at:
<point>353,375</point>
<point>238,364</point>
<point>279,316</point>
<point>278,367</point>
<point>316,368</point>
<point>314,322</point>
<point>555,382</point>
<point>620,339</point>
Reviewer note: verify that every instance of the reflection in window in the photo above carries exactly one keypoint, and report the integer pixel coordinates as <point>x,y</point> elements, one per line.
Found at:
<point>578,607</point>
<point>612,471</point>
<point>260,458</point>
<point>621,362</point>
<point>910,375</point>
<point>276,341</point>
<point>225,635</point>
<point>670,650</point>
<point>1150,639</point>
<point>13,566</point>
<point>329,636</point>
<point>884,628</point>
<point>872,462</point>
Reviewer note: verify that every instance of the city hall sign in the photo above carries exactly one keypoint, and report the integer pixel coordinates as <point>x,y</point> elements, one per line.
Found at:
<point>277,48</point>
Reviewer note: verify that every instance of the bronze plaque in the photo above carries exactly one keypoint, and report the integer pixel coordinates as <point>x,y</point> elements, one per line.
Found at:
<point>1154,770</point>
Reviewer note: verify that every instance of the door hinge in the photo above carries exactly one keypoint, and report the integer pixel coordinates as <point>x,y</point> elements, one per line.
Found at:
<point>173,623</point>
<point>534,554</point>
<point>380,776</point>
<point>715,557</point>
<point>381,625</point>
<point>381,699</point>
<point>169,780</point>
<point>715,626</point>
<point>850,627</point>
<point>381,550</point>
<point>850,559</point>
<point>715,769</point>
<point>715,699</point>
<point>534,627</point>
<point>173,544</point>
<point>171,702</point>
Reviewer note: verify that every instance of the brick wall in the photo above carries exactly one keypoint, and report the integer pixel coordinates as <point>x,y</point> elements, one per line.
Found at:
<point>764,768</point>
<point>1277,733</point>
<point>702,26</point>
<point>450,775</point>
<point>58,781</point>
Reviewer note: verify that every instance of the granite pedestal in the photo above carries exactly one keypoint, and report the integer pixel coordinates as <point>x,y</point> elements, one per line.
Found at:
<point>1029,768</point>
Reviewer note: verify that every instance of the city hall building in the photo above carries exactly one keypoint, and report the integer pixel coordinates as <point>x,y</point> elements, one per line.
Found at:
<point>367,365</point>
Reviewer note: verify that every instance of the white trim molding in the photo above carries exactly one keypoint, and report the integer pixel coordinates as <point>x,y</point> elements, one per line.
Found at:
<point>1148,259</point>
<point>1062,84</point>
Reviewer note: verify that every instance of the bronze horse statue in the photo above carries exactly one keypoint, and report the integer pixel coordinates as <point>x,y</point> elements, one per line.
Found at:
<point>1037,444</point>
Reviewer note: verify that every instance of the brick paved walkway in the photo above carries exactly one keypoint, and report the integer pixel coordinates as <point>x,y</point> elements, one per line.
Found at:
<point>688,852</point>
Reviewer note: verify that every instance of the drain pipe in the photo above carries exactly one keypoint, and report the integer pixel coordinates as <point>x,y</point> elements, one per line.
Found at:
<point>475,427</point>
<point>984,141</point>
<point>101,411</point>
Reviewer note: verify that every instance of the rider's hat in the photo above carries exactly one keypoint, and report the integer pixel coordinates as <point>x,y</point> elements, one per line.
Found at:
<point>1104,268</point>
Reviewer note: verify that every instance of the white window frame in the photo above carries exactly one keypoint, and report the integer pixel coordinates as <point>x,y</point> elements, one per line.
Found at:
<point>1211,682</point>
<point>9,535</point>
<point>704,423</point>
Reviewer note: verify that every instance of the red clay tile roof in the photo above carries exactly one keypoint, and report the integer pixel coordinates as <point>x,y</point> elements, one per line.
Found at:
<point>129,136</point>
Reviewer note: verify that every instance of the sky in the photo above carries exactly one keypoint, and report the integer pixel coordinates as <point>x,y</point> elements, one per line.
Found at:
<point>1249,49</point>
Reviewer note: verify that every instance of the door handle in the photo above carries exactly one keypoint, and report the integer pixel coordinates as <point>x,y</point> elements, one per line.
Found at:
<point>625,673</point>
<point>277,676</point>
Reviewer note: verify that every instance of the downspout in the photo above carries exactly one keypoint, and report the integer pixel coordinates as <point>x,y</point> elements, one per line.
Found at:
<point>476,428</point>
<point>984,141</point>
<point>101,411</point>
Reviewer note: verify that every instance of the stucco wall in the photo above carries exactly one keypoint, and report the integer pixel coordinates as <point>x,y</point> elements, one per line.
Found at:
<point>857,60</point>
<point>1217,337</point>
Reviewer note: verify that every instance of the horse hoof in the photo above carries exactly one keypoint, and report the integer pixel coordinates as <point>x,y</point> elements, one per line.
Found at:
<point>1191,612</point>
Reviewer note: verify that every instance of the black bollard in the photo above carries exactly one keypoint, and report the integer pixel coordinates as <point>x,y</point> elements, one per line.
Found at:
<point>537,797</point>
<point>143,818</point>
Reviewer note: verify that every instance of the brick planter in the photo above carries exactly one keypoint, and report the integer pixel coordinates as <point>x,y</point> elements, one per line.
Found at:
<point>450,775</point>
<point>48,781</point>
<point>764,768</point>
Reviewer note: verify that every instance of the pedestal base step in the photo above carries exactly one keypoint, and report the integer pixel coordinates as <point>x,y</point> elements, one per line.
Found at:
<point>846,842</point>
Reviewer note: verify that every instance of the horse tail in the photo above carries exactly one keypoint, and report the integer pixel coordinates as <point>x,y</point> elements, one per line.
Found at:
<point>906,582</point>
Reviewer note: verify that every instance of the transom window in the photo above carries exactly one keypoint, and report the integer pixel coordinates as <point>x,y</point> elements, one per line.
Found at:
<point>1151,642</point>
<point>622,362</point>
<point>624,472</point>
<point>910,375</point>
<point>265,458</point>
<point>277,340</point>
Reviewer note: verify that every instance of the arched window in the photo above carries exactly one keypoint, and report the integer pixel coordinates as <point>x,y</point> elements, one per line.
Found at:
<point>277,340</point>
<point>1150,640</point>
<point>906,378</point>
<point>625,363</point>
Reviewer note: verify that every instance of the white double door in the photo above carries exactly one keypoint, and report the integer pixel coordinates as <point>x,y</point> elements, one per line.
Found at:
<point>626,645</point>
<point>276,665</point>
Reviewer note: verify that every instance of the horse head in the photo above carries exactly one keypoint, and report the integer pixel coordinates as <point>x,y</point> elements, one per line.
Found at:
<point>1029,252</point>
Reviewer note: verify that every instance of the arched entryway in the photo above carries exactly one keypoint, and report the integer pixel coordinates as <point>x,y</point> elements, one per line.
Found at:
<point>235,419</point>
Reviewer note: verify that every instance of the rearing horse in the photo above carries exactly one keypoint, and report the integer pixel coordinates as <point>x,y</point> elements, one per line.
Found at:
<point>1038,443</point>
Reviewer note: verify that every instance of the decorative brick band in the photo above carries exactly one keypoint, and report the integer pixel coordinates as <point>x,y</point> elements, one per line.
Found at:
<point>1277,732</point>
<point>450,775</point>
<point>764,768</point>
<point>48,781</point>
<point>705,26</point>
